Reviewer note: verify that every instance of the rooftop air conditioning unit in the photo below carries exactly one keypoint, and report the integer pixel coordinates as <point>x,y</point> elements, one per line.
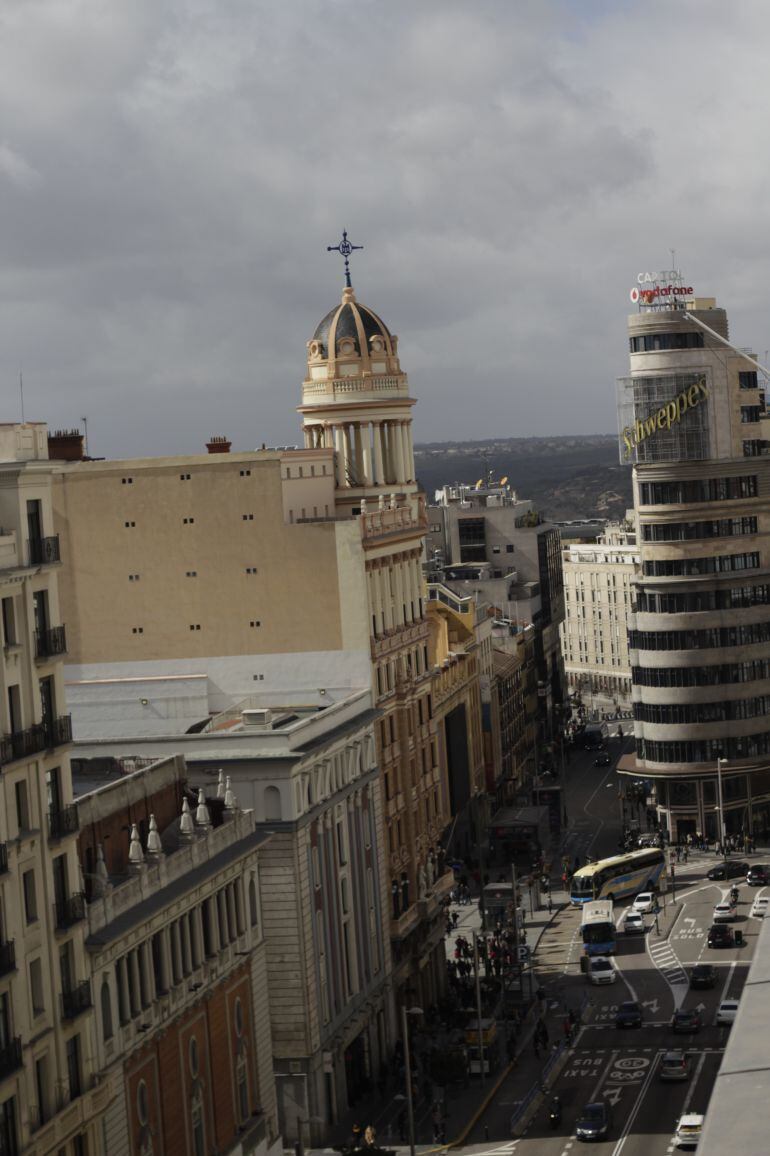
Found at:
<point>257,718</point>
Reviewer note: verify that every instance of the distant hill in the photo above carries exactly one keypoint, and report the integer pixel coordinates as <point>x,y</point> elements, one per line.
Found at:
<point>566,477</point>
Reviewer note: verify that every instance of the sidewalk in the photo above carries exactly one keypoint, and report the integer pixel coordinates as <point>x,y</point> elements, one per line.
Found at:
<point>464,1104</point>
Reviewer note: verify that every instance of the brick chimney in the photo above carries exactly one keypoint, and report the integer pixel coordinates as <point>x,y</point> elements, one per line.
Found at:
<point>66,445</point>
<point>218,445</point>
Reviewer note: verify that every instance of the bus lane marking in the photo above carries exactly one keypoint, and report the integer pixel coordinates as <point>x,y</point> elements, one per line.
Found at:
<point>634,1112</point>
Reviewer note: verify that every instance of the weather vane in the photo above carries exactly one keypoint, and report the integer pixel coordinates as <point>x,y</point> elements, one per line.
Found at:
<point>345,248</point>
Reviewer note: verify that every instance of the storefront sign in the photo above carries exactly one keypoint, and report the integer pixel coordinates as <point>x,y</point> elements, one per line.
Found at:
<point>663,418</point>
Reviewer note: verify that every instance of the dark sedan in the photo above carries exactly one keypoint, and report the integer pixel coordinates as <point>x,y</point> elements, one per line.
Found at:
<point>703,975</point>
<point>758,875</point>
<point>602,760</point>
<point>594,1123</point>
<point>629,1015</point>
<point>720,935</point>
<point>728,870</point>
<point>686,1021</point>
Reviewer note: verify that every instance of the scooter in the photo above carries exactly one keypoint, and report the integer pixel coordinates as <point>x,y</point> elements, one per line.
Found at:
<point>554,1115</point>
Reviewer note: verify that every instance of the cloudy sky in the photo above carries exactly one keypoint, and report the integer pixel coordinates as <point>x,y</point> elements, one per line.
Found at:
<point>171,172</point>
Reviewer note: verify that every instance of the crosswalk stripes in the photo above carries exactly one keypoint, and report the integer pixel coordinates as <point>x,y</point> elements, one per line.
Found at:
<point>665,959</point>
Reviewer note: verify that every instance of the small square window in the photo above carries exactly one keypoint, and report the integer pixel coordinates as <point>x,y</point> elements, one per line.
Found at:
<point>191,573</point>
<point>127,481</point>
<point>251,570</point>
<point>245,473</point>
<point>184,477</point>
<point>258,677</point>
<point>133,577</point>
<point>248,517</point>
<point>188,521</point>
<point>255,622</point>
<point>129,525</point>
<point>137,630</point>
<point>195,626</point>
<point>495,549</point>
<point>509,548</point>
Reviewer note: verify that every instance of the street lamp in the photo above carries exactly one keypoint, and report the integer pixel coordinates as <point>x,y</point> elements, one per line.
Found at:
<point>721,807</point>
<point>405,1013</point>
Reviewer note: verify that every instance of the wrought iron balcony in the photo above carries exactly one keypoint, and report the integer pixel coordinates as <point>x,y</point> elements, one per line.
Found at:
<point>7,957</point>
<point>76,1001</point>
<point>63,822</point>
<point>67,912</point>
<point>44,550</point>
<point>40,737</point>
<point>49,643</point>
<point>10,1057</point>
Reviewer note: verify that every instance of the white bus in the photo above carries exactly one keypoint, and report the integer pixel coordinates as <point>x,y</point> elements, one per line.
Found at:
<point>619,876</point>
<point>597,928</point>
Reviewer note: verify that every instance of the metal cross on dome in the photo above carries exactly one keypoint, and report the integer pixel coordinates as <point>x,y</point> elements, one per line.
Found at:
<point>345,248</point>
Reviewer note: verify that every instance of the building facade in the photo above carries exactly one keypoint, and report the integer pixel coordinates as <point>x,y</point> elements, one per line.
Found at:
<point>50,1099</point>
<point>690,422</point>
<point>176,946</point>
<point>598,598</point>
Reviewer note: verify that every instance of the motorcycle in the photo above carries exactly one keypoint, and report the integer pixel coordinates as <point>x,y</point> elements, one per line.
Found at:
<point>554,1115</point>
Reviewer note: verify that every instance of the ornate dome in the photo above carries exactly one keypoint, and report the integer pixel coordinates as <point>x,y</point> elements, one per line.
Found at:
<point>351,329</point>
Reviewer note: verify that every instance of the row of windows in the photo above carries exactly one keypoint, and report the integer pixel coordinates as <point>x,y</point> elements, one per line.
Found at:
<point>755,449</point>
<point>747,379</point>
<point>747,635</point>
<point>751,414</point>
<point>682,603</point>
<point>653,342</point>
<point>195,626</point>
<point>186,477</point>
<point>702,712</point>
<point>682,493</point>
<point>725,673</point>
<point>682,567</point>
<point>704,750</point>
<point>690,531</point>
<point>192,573</point>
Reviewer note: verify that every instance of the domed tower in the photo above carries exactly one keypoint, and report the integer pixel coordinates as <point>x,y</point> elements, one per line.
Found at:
<point>355,400</point>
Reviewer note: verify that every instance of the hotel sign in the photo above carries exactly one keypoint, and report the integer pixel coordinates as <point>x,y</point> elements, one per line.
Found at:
<point>668,415</point>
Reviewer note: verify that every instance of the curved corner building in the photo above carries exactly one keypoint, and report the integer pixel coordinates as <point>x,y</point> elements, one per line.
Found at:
<point>691,422</point>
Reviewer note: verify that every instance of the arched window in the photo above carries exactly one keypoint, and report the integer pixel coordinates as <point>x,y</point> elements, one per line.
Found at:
<point>272,804</point>
<point>106,1004</point>
<point>253,911</point>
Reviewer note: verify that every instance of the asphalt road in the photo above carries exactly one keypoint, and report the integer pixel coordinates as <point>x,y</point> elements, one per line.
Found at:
<point>621,1066</point>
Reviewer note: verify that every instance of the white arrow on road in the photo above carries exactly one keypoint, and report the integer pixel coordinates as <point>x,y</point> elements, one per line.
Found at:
<point>688,919</point>
<point>652,1004</point>
<point>701,1007</point>
<point>613,1095</point>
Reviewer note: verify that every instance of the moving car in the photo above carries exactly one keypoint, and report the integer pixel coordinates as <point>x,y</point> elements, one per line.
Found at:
<point>644,902</point>
<point>688,1130</point>
<point>703,975</point>
<point>686,1021</point>
<point>727,1011</point>
<point>634,923</point>
<point>594,1123</point>
<point>674,1066</point>
<point>759,906</point>
<point>725,912</point>
<point>758,874</point>
<point>730,869</point>
<point>601,969</point>
<point>602,759</point>
<point>720,935</point>
<point>629,1015</point>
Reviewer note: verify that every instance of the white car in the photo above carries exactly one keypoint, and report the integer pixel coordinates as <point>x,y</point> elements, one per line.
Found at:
<point>688,1130</point>
<point>634,924</point>
<point>601,969</point>
<point>759,906</point>
<point>644,902</point>
<point>727,1011</point>
<point>724,913</point>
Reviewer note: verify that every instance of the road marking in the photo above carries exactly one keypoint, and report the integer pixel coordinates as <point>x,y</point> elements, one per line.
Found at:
<point>633,1113</point>
<point>725,989</point>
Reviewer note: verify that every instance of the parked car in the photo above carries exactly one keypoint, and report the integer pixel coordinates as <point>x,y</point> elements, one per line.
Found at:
<point>629,1015</point>
<point>594,1123</point>
<point>602,760</point>
<point>720,935</point>
<point>644,902</point>
<point>759,906</point>
<point>601,969</point>
<point>730,869</point>
<point>674,1066</point>
<point>688,1130</point>
<point>727,1011</point>
<point>758,875</point>
<point>634,923</point>
<point>686,1021</point>
<point>725,912</point>
<point>703,975</point>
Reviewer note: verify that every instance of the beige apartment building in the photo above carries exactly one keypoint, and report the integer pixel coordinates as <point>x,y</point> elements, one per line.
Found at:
<point>598,598</point>
<point>196,582</point>
<point>50,1099</point>
<point>691,416</point>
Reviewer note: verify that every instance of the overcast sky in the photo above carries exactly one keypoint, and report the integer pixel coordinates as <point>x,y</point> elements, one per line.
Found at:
<point>171,172</point>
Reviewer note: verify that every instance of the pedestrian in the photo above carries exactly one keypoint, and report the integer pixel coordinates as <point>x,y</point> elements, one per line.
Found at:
<point>536,1046</point>
<point>685,854</point>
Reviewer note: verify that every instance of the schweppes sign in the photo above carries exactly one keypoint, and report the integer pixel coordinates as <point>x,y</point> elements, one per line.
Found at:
<point>664,418</point>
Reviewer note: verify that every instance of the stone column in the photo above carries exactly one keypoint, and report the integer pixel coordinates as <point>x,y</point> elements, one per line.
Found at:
<point>387,596</point>
<point>366,453</point>
<point>336,432</point>
<point>409,451</point>
<point>345,455</point>
<point>239,909</point>
<point>196,932</point>
<point>358,454</point>
<point>398,452</point>
<point>145,972</point>
<point>232,925</point>
<point>184,927</point>
<point>379,472</point>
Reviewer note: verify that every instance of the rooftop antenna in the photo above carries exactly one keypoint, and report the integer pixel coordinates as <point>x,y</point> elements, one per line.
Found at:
<point>85,435</point>
<point>345,249</point>
<point>21,392</point>
<point>673,259</point>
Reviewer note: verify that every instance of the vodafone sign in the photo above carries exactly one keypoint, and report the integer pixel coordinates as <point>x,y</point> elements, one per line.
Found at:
<point>654,288</point>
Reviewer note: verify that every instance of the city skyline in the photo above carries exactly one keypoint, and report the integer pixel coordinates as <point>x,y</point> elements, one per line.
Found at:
<point>172,180</point>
